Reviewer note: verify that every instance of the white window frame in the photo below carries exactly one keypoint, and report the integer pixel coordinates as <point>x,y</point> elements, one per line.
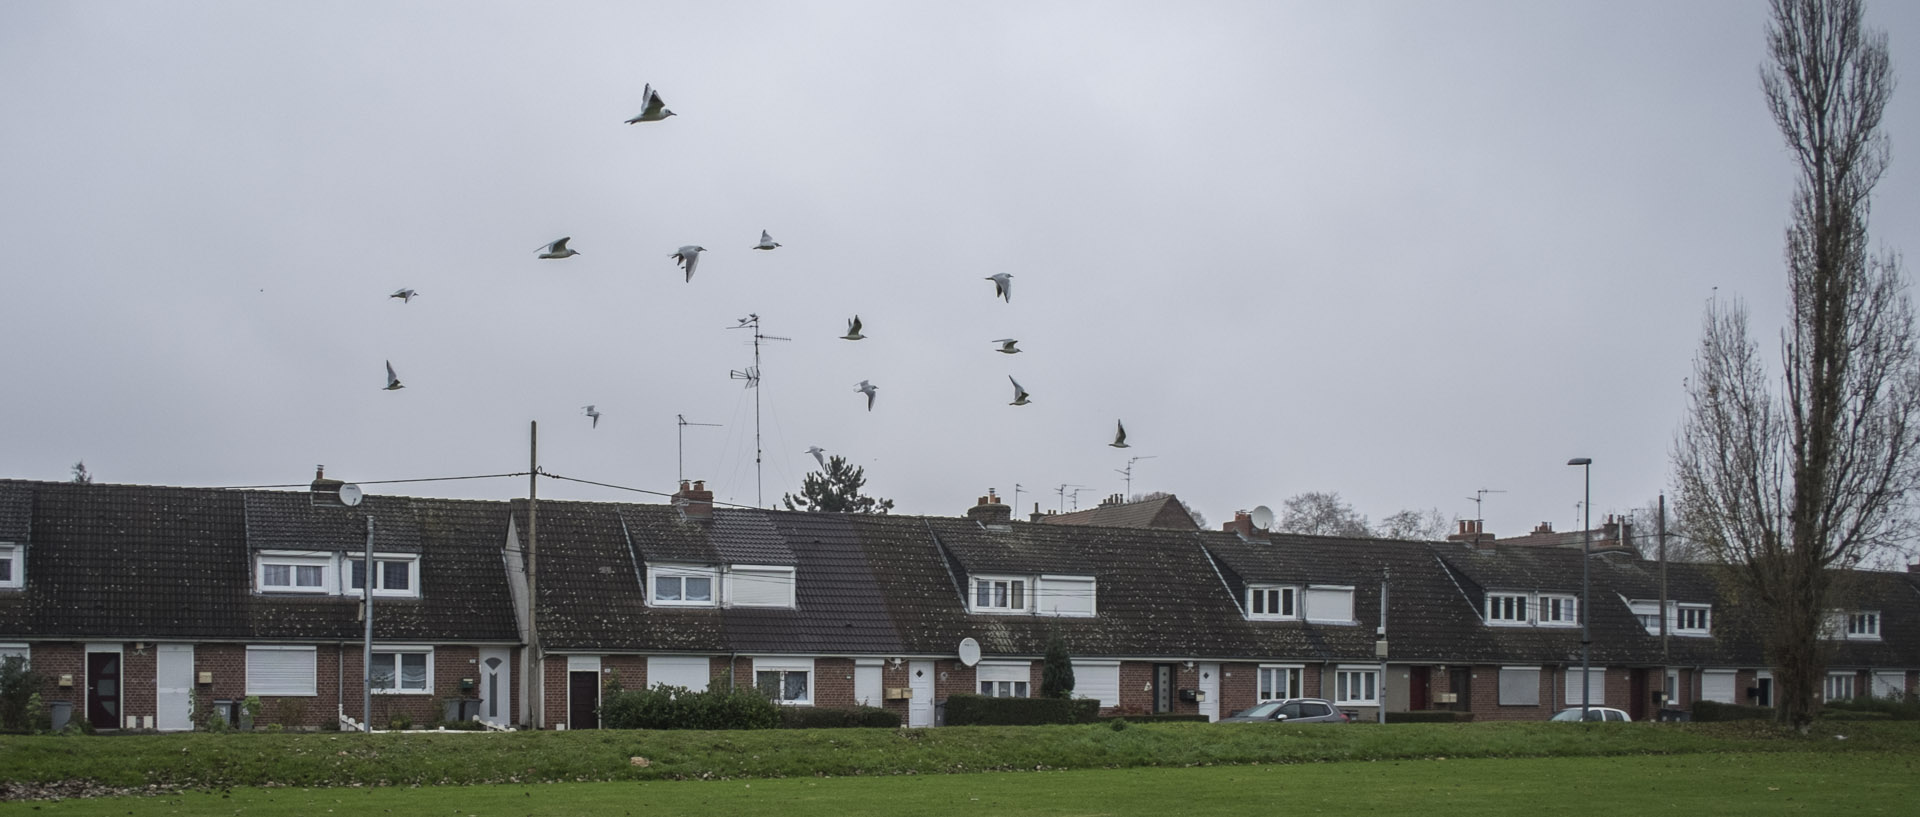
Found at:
<point>10,649</point>
<point>784,667</point>
<point>1050,586</point>
<point>1018,588</point>
<point>1285,596</point>
<point>1509,609</point>
<point>1569,609</point>
<point>1596,686</point>
<point>1863,625</point>
<point>1515,675</point>
<point>380,561</point>
<point>1284,679</point>
<point>1724,679</point>
<point>1892,682</point>
<point>783,575</point>
<point>1842,682</point>
<point>996,679</point>
<point>294,560</point>
<point>683,572</point>
<point>15,558</point>
<point>1682,612</point>
<point>1097,678</point>
<point>397,652</point>
<point>1306,603</point>
<point>1363,679</point>
<point>254,685</point>
<point>1647,612</point>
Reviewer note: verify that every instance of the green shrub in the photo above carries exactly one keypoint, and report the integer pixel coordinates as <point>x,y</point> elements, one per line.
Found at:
<point>79,726</point>
<point>1429,716</point>
<point>817,717</point>
<point>217,722</point>
<point>400,722</point>
<point>1056,672</point>
<point>1164,717</point>
<point>250,712</point>
<point>1855,715</point>
<point>667,707</point>
<point>18,685</point>
<point>967,709</point>
<point>1899,709</point>
<point>1708,711</point>
<point>38,718</point>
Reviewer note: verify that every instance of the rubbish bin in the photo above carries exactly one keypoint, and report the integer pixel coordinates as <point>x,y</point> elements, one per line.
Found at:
<point>223,709</point>
<point>61,712</point>
<point>461,709</point>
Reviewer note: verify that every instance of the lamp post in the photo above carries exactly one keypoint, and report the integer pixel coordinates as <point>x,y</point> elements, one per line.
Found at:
<point>1586,553</point>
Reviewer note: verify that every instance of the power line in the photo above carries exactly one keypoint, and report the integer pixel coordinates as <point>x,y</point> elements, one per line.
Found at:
<point>367,482</point>
<point>551,475</point>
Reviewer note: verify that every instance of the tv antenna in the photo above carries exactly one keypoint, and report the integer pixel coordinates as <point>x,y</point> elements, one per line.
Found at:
<point>1128,473</point>
<point>1017,490</point>
<point>752,376</point>
<point>1479,497</point>
<point>683,441</point>
<point>1062,491</point>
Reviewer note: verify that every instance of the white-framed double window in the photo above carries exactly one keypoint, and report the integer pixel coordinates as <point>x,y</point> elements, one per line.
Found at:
<point>1555,610</point>
<point>13,566</point>
<point>293,572</point>
<point>1273,602</point>
<point>281,670</point>
<point>402,670</point>
<point>1519,686</point>
<point>394,574</point>
<point>1693,619</point>
<point>1839,686</point>
<point>1356,686</point>
<point>785,680</point>
<point>1532,609</point>
<point>999,594</point>
<point>682,586</point>
<point>1004,680</point>
<point>1506,608</point>
<point>19,650</point>
<point>1857,625</point>
<point>1277,681</point>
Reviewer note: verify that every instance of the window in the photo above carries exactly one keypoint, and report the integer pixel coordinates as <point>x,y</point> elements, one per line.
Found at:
<point>1004,680</point>
<point>1763,683</point>
<point>1097,679</point>
<point>276,670</point>
<point>1506,609</point>
<point>681,586</point>
<point>10,651</point>
<point>1718,686</point>
<point>1000,595</point>
<point>291,573</point>
<point>759,586</point>
<point>1693,619</point>
<point>1278,682</point>
<point>1357,686</point>
<point>403,671</point>
<point>393,575</point>
<point>1064,596</point>
<point>1519,686</point>
<point>1330,605</point>
<point>1648,612</point>
<point>12,566</point>
<point>1270,602</point>
<point>1839,686</point>
<point>1596,688</point>
<point>1558,611</point>
<point>785,681</point>
<point>1890,684</point>
<point>1863,625</point>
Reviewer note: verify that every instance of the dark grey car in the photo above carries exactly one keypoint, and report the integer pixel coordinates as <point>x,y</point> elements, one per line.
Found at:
<point>1291,710</point>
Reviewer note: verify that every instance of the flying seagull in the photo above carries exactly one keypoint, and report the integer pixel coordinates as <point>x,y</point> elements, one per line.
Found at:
<point>558,249</point>
<point>1119,435</point>
<point>393,382</point>
<point>868,389</point>
<point>687,257</point>
<point>1002,285</point>
<point>766,242</point>
<point>405,295</point>
<point>1007,346</point>
<point>816,451</point>
<point>651,108</point>
<point>853,330</point>
<point>595,415</point>
<point>1019,394</point>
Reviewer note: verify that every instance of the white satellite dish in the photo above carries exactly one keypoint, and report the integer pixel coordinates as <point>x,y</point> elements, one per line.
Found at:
<point>350,494</point>
<point>1263,517</point>
<point>969,651</point>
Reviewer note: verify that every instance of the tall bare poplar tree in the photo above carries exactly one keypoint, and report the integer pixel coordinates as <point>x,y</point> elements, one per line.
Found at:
<point>1786,481</point>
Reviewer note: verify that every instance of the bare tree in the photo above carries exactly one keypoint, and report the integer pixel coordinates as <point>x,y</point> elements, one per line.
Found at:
<point>1784,488</point>
<point>1324,514</point>
<point>1682,546</point>
<point>1429,525</point>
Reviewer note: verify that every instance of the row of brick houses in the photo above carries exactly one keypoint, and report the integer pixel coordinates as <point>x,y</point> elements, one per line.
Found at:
<point>143,607</point>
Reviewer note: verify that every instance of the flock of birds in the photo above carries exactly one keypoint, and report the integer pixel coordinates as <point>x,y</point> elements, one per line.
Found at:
<point>687,258</point>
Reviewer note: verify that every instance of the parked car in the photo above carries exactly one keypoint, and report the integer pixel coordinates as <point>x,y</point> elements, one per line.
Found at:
<point>1290,710</point>
<point>1595,714</point>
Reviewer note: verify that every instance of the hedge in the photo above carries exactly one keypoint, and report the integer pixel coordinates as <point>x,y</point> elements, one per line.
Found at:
<point>1164,717</point>
<point>1899,709</point>
<point>670,707</point>
<point>818,717</point>
<point>1429,716</point>
<point>966,709</point>
<point>1707,711</point>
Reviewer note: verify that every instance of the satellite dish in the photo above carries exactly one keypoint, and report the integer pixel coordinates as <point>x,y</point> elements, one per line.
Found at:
<point>969,651</point>
<point>1263,517</point>
<point>350,494</point>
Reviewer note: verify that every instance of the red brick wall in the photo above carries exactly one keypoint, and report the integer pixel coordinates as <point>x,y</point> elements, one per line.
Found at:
<point>54,659</point>
<point>1239,687</point>
<point>833,682</point>
<point>631,670</point>
<point>895,677</point>
<point>138,690</point>
<point>554,682</point>
<point>1136,683</point>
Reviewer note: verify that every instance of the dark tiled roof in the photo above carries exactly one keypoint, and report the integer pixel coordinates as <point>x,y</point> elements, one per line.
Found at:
<point>290,521</point>
<point>1161,512</point>
<point>16,512</point>
<point>745,537</point>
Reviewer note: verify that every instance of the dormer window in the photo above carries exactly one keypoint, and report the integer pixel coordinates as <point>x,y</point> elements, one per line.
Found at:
<point>759,586</point>
<point>285,572</point>
<point>1503,608</point>
<point>396,575</point>
<point>1532,610</point>
<point>1557,611</point>
<point>13,566</point>
<point>1329,604</point>
<point>1267,602</point>
<point>681,586</point>
<point>999,594</point>
<point>1859,625</point>
<point>1693,619</point>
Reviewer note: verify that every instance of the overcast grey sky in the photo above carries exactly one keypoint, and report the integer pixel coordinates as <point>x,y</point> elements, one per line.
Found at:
<point>1398,250</point>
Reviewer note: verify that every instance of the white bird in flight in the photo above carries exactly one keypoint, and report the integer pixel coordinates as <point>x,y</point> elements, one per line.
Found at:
<point>816,451</point>
<point>853,330</point>
<point>591,412</point>
<point>652,109</point>
<point>1019,394</point>
<point>558,249</point>
<point>766,242</point>
<point>867,389</point>
<point>405,295</point>
<point>393,381</point>
<point>1002,285</point>
<point>1007,346</point>
<point>1119,435</point>
<point>687,257</point>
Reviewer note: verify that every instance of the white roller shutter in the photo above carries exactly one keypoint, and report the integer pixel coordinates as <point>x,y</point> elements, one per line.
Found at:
<point>1889,684</point>
<point>1004,671</point>
<point>1329,603</point>
<point>1596,686</point>
<point>1519,686</point>
<point>280,671</point>
<point>1064,596</point>
<point>691,671</point>
<point>1097,679</point>
<point>1717,686</point>
<point>759,586</point>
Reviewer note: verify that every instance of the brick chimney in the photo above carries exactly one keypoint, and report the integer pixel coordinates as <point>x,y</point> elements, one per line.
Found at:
<point>1913,568</point>
<point>1473,534</point>
<point>694,501</point>
<point>1037,515</point>
<point>1242,524</point>
<point>991,512</point>
<point>1543,528</point>
<point>324,491</point>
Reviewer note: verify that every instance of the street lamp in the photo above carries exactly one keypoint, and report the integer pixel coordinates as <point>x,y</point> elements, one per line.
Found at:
<point>1586,554</point>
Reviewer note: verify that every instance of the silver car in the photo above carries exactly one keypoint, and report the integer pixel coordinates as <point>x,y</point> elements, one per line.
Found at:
<point>1595,714</point>
<point>1290,710</point>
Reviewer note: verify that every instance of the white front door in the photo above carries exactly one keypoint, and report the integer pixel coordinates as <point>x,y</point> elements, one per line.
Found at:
<point>173,687</point>
<point>496,686</point>
<point>1210,691</point>
<point>920,706</point>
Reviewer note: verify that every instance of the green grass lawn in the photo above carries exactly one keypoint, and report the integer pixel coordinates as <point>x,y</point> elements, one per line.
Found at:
<point>1745,784</point>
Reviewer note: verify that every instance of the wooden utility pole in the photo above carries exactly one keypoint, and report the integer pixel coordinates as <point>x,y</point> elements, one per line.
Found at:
<point>537,672</point>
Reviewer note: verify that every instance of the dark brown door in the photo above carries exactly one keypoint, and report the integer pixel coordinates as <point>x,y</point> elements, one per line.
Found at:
<point>1639,697</point>
<point>103,690</point>
<point>1417,680</point>
<point>1162,688</point>
<point>583,695</point>
<point>1461,685</point>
